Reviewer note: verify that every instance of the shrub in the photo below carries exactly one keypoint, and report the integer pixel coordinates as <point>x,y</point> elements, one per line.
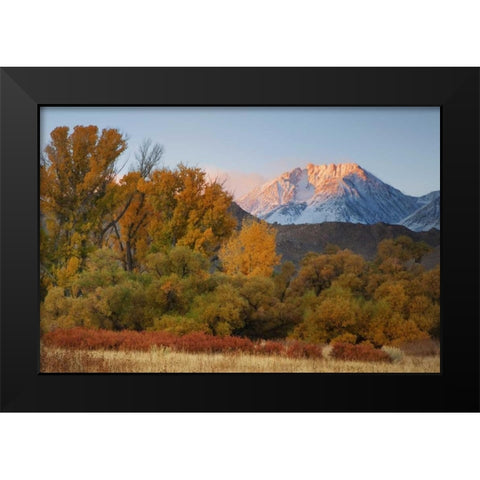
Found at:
<point>201,342</point>
<point>194,342</point>
<point>270,347</point>
<point>297,349</point>
<point>91,339</point>
<point>365,352</point>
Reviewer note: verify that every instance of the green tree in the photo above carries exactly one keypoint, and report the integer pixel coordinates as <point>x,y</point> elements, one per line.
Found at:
<point>223,310</point>
<point>318,271</point>
<point>179,260</point>
<point>333,315</point>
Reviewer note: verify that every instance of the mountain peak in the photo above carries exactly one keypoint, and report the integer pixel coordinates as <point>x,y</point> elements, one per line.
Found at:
<point>302,186</point>
<point>342,192</point>
<point>335,170</point>
<point>335,166</point>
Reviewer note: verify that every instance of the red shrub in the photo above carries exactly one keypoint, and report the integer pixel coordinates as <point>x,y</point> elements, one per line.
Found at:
<point>73,338</point>
<point>312,351</point>
<point>230,344</point>
<point>297,349</point>
<point>269,347</point>
<point>91,339</point>
<point>201,342</point>
<point>365,352</point>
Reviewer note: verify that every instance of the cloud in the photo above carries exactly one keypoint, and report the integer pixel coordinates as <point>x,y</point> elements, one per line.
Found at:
<point>235,182</point>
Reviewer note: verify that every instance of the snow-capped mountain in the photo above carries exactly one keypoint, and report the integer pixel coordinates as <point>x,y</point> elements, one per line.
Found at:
<point>429,197</point>
<point>333,193</point>
<point>426,217</point>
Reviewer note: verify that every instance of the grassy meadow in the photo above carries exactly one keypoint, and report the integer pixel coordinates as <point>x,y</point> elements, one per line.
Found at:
<point>164,360</point>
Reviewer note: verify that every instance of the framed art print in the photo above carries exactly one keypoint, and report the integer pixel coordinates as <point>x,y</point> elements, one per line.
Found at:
<point>239,239</point>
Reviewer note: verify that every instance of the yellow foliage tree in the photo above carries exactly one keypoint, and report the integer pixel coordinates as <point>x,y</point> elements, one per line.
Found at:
<point>251,251</point>
<point>130,230</point>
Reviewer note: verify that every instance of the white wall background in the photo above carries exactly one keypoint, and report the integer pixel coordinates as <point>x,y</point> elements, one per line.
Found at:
<point>255,33</point>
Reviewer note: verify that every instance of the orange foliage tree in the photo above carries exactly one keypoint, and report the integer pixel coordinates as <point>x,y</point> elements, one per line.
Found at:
<point>131,210</point>
<point>188,210</point>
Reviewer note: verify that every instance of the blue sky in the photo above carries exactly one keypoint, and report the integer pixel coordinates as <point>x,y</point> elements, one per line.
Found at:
<point>247,146</point>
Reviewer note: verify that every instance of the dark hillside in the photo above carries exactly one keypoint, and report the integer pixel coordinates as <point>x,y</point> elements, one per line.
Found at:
<point>294,241</point>
<point>240,214</point>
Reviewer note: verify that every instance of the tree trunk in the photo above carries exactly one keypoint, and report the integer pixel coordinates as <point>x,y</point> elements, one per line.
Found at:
<point>128,249</point>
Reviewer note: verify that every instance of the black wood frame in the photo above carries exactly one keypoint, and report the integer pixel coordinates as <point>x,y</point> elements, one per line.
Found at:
<point>24,90</point>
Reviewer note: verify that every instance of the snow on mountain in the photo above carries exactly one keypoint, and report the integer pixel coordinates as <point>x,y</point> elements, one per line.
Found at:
<point>331,193</point>
<point>425,218</point>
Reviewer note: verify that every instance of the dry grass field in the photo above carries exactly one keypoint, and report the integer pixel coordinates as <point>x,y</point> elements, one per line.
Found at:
<point>161,360</point>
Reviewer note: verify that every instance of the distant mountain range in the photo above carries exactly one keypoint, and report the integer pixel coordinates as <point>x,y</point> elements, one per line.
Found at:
<point>344,193</point>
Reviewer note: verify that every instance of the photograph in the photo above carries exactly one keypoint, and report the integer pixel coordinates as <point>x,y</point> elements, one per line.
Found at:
<point>272,239</point>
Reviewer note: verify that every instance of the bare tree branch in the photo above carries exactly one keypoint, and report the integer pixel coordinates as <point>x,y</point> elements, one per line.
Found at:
<point>148,157</point>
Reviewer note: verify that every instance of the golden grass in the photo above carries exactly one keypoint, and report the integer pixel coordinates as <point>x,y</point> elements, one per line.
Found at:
<point>57,360</point>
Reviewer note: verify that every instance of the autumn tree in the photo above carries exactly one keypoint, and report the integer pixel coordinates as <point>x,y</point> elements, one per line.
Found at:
<point>148,157</point>
<point>319,270</point>
<point>188,210</point>
<point>283,278</point>
<point>251,251</point>
<point>76,176</point>
<point>264,314</point>
<point>331,317</point>
<point>401,249</point>
<point>130,210</point>
<point>223,310</point>
<point>103,295</point>
<point>179,260</point>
